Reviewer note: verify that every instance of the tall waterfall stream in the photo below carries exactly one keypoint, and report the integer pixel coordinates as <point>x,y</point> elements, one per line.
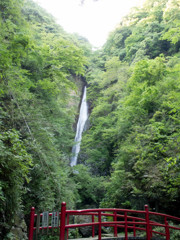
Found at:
<point>83,116</point>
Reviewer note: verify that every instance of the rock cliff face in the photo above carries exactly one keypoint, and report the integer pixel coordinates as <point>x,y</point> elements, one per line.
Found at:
<point>85,231</point>
<point>76,96</point>
<point>19,229</point>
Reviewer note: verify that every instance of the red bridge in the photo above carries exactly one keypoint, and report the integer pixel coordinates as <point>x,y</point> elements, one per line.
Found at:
<point>132,223</point>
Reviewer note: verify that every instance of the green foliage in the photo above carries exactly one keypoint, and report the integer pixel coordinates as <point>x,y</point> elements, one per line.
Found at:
<point>142,169</point>
<point>15,164</point>
<point>90,188</point>
<point>96,144</point>
<point>134,122</point>
<point>171,17</point>
<point>40,68</point>
<point>146,32</point>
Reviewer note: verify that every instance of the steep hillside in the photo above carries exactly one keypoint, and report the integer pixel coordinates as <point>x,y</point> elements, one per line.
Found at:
<point>134,84</point>
<point>41,72</point>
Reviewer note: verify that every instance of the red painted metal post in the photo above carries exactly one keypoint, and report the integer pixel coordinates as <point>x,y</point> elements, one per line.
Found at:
<point>115,226</point>
<point>134,229</point>
<point>99,220</point>
<point>67,224</point>
<point>93,229</point>
<point>167,229</point>
<point>31,225</point>
<point>148,230</point>
<point>63,221</point>
<point>126,227</point>
<point>151,232</point>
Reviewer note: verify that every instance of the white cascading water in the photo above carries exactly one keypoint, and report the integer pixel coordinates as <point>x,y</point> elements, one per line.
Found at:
<point>83,116</point>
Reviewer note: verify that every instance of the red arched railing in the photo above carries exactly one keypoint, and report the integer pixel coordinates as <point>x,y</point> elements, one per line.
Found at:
<point>129,220</point>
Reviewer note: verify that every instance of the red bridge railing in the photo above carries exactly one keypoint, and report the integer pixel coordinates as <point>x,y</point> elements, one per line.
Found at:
<point>128,220</point>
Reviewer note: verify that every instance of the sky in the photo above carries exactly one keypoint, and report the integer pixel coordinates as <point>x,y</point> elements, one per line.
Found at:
<point>93,20</point>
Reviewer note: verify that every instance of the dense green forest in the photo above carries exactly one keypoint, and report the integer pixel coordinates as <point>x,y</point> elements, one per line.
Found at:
<point>130,152</point>
<point>134,135</point>
<point>41,76</point>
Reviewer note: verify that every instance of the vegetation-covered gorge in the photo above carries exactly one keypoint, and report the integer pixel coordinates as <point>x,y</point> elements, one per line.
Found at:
<point>130,153</point>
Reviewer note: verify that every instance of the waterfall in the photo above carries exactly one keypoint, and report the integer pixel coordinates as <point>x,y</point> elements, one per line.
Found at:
<point>83,116</point>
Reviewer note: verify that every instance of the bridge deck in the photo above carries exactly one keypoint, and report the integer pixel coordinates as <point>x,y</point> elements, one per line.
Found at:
<point>120,237</point>
<point>117,238</point>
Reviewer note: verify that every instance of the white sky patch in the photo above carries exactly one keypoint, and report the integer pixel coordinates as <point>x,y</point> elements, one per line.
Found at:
<point>93,20</point>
